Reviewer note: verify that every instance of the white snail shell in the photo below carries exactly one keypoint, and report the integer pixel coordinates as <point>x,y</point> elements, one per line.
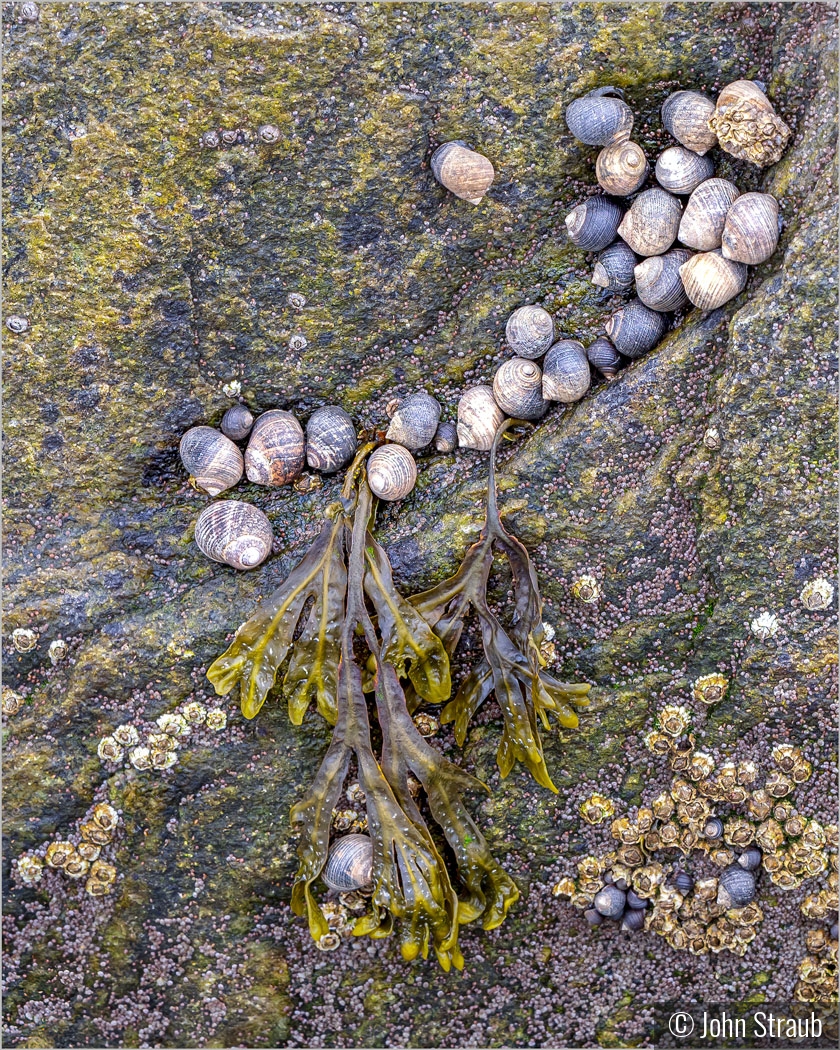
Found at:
<point>237,422</point>
<point>747,126</point>
<point>621,168</point>
<point>275,453</point>
<point>330,439</point>
<point>600,117</point>
<point>702,223</point>
<point>658,281</point>
<point>517,388</point>
<point>651,225</point>
<point>566,375</point>
<point>679,170</point>
<point>415,421</point>
<point>614,268</point>
<point>529,331</point>
<point>391,472</point>
<point>349,864</point>
<point>479,417</point>
<point>685,114</point>
<point>751,231</point>
<point>462,171</point>
<point>593,224</point>
<point>234,533</point>
<point>212,460</point>
<point>710,280</point>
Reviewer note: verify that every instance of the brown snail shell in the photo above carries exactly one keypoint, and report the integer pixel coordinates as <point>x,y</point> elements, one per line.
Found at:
<point>566,375</point>
<point>651,225</point>
<point>614,268</point>
<point>517,388</point>
<point>275,453</point>
<point>213,461</point>
<point>592,225</point>
<point>529,331</point>
<point>603,356</point>
<point>234,533</point>
<point>621,168</point>
<point>701,226</point>
<point>679,170</point>
<point>237,422</point>
<point>658,281</point>
<point>349,864</point>
<point>710,280</point>
<point>685,114</point>
<point>446,437</point>
<point>391,472</point>
<point>751,231</point>
<point>415,421</point>
<point>330,439</point>
<point>479,417</point>
<point>736,887</point>
<point>747,126</point>
<point>462,171</point>
<point>600,117</point>
<point>635,329</point>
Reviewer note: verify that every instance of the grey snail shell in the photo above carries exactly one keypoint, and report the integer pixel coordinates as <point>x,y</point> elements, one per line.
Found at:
<point>713,828</point>
<point>747,126</point>
<point>330,439</point>
<point>234,533</point>
<point>736,887</point>
<point>566,375</point>
<point>658,281</point>
<point>650,226</point>
<point>603,356</point>
<point>479,417</point>
<point>349,864</point>
<point>679,170</point>
<point>685,114</point>
<point>751,230</point>
<point>710,280</point>
<point>750,858</point>
<point>635,329</point>
<point>621,168</point>
<point>610,902</point>
<point>237,422</point>
<point>391,472</point>
<point>212,460</point>
<point>600,117</point>
<point>702,223</point>
<point>517,388</point>
<point>614,268</point>
<point>415,421</point>
<point>275,452</point>
<point>446,437</point>
<point>684,882</point>
<point>529,331</point>
<point>592,225</point>
<point>632,920</point>
<point>462,171</point>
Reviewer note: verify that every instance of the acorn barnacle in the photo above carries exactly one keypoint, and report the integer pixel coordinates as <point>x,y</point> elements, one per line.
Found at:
<point>596,809</point>
<point>234,533</point>
<point>101,878</point>
<point>105,816</point>
<point>109,750</point>
<point>12,701</point>
<point>58,853</point>
<point>24,640</point>
<point>427,725</point>
<point>764,626</point>
<point>462,171</point>
<point>586,589</point>
<point>30,869</point>
<point>817,594</point>
<point>747,126</point>
<point>711,688</point>
<point>330,439</point>
<point>194,713</point>
<point>268,133</point>
<point>674,719</point>
<point>126,735</point>
<point>210,140</point>
<point>140,758</point>
<point>172,723</point>
<point>216,720</point>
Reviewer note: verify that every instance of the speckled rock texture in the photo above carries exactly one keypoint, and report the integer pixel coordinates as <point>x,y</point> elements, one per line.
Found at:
<point>153,272</point>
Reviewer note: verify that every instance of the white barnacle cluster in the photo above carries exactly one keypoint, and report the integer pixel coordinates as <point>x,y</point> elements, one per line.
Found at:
<point>158,750</point>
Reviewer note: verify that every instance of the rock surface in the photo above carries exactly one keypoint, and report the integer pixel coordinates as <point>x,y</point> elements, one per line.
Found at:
<point>153,272</point>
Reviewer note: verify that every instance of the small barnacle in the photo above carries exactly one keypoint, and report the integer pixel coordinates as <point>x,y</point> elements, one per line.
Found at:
<point>354,900</point>
<point>88,851</point>
<point>721,858</point>
<point>770,836</point>
<point>590,867</point>
<point>93,832</point>
<point>674,719</point>
<point>777,784</point>
<point>173,724</point>
<point>681,754</point>
<point>230,136</point>
<point>727,776</point>
<point>586,589</point>
<point>795,825</point>
<point>831,836</point>
<point>697,945</point>
<point>329,942</point>
<point>700,766</point>
<point>774,861</point>
<point>102,878</point>
<point>296,300</point>
<point>140,758</point>
<point>216,719</point>
<point>427,725</point>
<point>662,806</point>
<point>76,867</point>
<point>109,750</point>
<point>801,771</point>
<point>759,804</point>
<point>57,651</point>
<point>625,831</point>
<point>105,816</point>
<point>677,938</point>
<point>12,701</point>
<point>630,855</point>
<point>711,438</point>
<point>816,864</point>
<point>816,941</point>
<point>750,915</point>
<point>658,743</point>
<point>690,839</point>
<point>343,819</point>
<point>652,841</point>
<point>669,834</point>
<point>161,760</point>
<point>210,140</point>
<point>738,832</point>
<point>814,907</point>
<point>662,923</point>
<point>736,795</point>
<point>355,793</point>
<point>785,879</point>
<point>298,341</point>
<point>268,133</point>
<point>126,735</point>
<point>674,896</point>
<point>746,773</point>
<point>16,324</point>
<point>711,790</point>
<point>764,626</point>
<point>814,835</point>
<point>233,388</point>
<point>817,594</point>
<point>31,868</point>
<point>162,742</point>
<point>786,756</point>
<point>644,818</point>
<point>682,791</point>
<point>194,713</point>
<point>646,880</point>
<point>24,640</point>
<point>706,889</point>
<point>711,688</point>
<point>596,809</point>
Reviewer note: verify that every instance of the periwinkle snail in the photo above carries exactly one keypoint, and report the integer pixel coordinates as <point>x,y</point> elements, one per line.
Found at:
<point>650,226</point>
<point>685,114</point>
<point>234,533</point>
<point>658,281</point>
<point>479,417</point>
<point>592,225</point>
<point>275,452</point>
<point>702,222</point>
<point>212,460</point>
<point>529,331</point>
<point>517,388</point>
<point>349,864</point>
<point>566,375</point>
<point>751,229</point>
<point>635,329</point>
<point>621,168</point>
<point>330,439</point>
<point>681,171</point>
<point>391,472</point>
<point>603,356</point>
<point>446,437</point>
<point>614,268</point>
<point>415,421</point>
<point>462,171</point>
<point>237,422</point>
<point>600,117</point>
<point>710,280</point>
<point>736,887</point>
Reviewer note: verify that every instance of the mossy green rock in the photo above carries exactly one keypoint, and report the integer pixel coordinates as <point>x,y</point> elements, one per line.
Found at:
<point>154,272</point>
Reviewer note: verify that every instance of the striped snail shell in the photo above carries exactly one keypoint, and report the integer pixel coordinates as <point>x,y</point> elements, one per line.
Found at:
<point>330,439</point>
<point>600,117</point>
<point>614,268</point>
<point>710,280</point>
<point>566,375</point>
<point>621,168</point>
<point>275,453</point>
<point>446,437</point>
<point>593,917</point>
<point>713,828</point>
<point>391,472</point>
<point>635,901</point>
<point>415,421</point>
<point>529,331</point>
<point>679,170</point>
<point>685,114</point>
<point>237,422</point>
<point>462,171</point>
<point>634,329</point>
<point>747,126</point>
<point>592,225</point>
<point>610,902</point>
<point>479,417</point>
<point>702,223</point>
<point>234,533</point>
<point>602,355</point>
<point>650,226</point>
<point>349,864</point>
<point>736,887</point>
<point>212,460</point>
<point>632,920</point>
<point>658,281</point>
<point>517,388</point>
<point>751,230</point>
<point>750,858</point>
<point>684,882</point>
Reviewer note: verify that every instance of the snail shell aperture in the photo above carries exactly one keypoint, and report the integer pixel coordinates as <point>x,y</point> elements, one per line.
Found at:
<point>234,533</point>
<point>685,114</point>
<point>566,375</point>
<point>212,460</point>
<point>600,117</point>
<point>658,282</point>
<point>651,225</point>
<point>592,225</point>
<point>275,453</point>
<point>462,171</point>
<point>415,421</point>
<point>710,280</point>
<point>391,472</point>
<point>747,126</point>
<point>750,859</point>
<point>237,422</point>
<point>446,437</point>
<point>751,231</point>
<point>349,864</point>
<point>621,168</point>
<point>702,223</point>
<point>517,388</point>
<point>529,331</point>
<point>678,170</point>
<point>602,355</point>
<point>634,329</point>
<point>479,417</point>
<point>614,268</point>
<point>330,439</point>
